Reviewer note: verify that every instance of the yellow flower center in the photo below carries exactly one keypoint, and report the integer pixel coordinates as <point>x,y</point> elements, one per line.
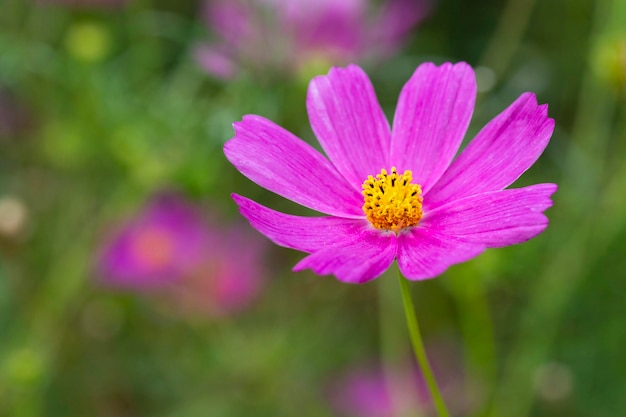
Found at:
<point>392,201</point>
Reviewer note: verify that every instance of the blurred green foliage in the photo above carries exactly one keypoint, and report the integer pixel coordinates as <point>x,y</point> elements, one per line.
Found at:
<point>108,107</point>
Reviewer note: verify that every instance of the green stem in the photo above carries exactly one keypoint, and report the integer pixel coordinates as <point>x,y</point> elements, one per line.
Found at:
<point>418,347</point>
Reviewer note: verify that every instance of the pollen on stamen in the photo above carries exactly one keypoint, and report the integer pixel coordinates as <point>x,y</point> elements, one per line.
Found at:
<point>392,201</point>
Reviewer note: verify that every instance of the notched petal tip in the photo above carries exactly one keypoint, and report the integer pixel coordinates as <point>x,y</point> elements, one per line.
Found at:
<point>349,123</point>
<point>433,112</point>
<point>499,154</point>
<point>240,126</point>
<point>543,191</point>
<point>334,74</point>
<point>528,96</point>
<point>530,99</point>
<point>462,66</point>
<point>245,206</point>
<point>250,118</point>
<point>238,198</point>
<point>277,160</point>
<point>337,70</point>
<point>495,219</point>
<point>549,188</point>
<point>459,67</point>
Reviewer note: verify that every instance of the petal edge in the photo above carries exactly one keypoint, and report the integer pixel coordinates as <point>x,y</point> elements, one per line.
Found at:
<point>349,123</point>
<point>499,154</point>
<point>306,234</point>
<point>355,262</point>
<point>425,253</point>
<point>433,113</point>
<point>277,160</point>
<point>495,219</point>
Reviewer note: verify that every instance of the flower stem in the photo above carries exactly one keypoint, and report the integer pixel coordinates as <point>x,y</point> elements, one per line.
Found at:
<point>418,347</point>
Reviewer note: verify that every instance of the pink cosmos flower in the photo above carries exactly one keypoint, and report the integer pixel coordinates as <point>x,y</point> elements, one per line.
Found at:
<point>396,193</point>
<point>292,34</point>
<point>189,261</point>
<point>161,245</point>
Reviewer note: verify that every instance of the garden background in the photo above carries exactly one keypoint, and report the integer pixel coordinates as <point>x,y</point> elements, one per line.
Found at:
<point>114,114</point>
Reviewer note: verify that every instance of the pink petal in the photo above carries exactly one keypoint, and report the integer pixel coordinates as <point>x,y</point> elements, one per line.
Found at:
<point>495,219</point>
<point>355,259</point>
<point>349,123</point>
<point>307,234</point>
<point>503,150</point>
<point>434,110</point>
<point>279,161</point>
<point>425,253</point>
<point>348,248</point>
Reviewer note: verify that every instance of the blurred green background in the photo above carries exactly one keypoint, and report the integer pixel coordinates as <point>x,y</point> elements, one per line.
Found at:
<point>103,105</point>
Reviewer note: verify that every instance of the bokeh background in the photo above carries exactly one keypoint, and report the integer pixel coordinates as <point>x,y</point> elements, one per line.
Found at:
<point>129,285</point>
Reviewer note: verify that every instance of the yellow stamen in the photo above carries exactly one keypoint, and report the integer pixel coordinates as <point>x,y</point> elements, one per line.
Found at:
<point>392,202</point>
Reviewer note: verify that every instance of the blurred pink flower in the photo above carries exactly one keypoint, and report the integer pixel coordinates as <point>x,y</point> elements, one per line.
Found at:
<point>164,242</point>
<point>368,391</point>
<point>294,34</point>
<point>185,259</point>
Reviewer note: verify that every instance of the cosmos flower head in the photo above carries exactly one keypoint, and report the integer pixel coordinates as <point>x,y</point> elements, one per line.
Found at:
<point>291,35</point>
<point>164,242</point>
<point>190,261</point>
<point>396,193</point>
